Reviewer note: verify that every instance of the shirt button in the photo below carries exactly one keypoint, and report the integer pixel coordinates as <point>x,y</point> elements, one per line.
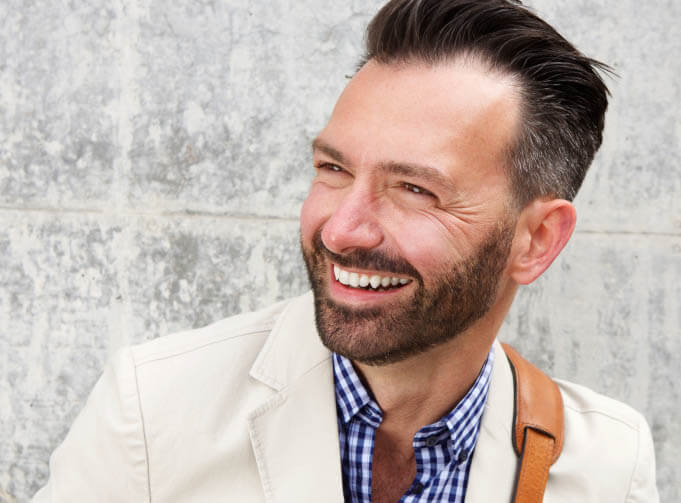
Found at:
<point>463,456</point>
<point>431,441</point>
<point>418,488</point>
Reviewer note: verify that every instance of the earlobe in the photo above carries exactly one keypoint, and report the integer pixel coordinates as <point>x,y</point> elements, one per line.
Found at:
<point>543,230</point>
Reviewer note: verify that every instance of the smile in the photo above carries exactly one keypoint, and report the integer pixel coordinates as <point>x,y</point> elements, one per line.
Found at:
<point>368,281</point>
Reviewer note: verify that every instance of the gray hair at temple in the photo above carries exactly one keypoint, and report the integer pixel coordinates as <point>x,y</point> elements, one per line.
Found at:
<point>563,97</point>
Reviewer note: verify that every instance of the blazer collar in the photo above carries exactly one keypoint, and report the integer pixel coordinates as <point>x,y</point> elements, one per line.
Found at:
<point>294,434</point>
<point>293,347</point>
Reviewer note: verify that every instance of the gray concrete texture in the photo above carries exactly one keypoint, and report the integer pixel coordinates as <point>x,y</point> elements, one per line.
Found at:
<point>154,156</point>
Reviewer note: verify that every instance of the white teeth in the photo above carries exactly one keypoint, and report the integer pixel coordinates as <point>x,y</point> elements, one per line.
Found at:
<point>375,281</point>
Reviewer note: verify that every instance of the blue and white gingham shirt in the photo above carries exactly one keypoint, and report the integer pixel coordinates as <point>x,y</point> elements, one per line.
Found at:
<point>443,450</point>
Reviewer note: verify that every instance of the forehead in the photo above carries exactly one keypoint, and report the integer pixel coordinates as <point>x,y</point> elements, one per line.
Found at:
<point>457,115</point>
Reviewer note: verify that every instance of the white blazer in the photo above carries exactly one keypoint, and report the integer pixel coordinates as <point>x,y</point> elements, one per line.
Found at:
<point>244,410</point>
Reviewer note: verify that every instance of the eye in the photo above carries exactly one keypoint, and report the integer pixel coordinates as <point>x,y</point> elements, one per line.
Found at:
<point>332,175</point>
<point>327,166</point>
<point>415,189</point>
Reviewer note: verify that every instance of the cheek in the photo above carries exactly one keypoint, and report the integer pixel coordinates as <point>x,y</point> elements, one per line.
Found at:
<point>428,254</point>
<point>429,241</point>
<point>307,221</point>
<point>313,214</point>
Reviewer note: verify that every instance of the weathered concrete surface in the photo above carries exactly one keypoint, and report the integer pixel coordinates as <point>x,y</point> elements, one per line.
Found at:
<point>607,315</point>
<point>635,184</point>
<point>153,158</point>
<point>76,287</point>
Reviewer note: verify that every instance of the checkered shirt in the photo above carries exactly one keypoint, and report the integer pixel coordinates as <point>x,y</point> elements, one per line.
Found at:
<point>443,449</point>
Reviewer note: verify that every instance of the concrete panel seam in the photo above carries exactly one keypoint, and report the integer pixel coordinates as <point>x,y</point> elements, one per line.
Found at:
<point>148,213</point>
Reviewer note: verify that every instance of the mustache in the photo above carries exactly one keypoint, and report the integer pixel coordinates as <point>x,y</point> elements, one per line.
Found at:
<point>362,258</point>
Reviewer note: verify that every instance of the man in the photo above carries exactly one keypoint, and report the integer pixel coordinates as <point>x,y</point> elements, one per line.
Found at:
<point>443,181</point>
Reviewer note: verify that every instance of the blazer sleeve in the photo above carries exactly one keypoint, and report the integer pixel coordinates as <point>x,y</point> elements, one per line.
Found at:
<point>643,486</point>
<point>103,457</point>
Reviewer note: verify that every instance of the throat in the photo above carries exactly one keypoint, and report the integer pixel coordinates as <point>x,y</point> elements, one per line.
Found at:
<point>393,470</point>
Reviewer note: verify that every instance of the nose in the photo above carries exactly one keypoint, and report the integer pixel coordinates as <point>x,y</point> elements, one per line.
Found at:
<point>353,224</point>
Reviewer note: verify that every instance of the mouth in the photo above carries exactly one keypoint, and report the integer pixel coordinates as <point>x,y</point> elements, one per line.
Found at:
<point>369,281</point>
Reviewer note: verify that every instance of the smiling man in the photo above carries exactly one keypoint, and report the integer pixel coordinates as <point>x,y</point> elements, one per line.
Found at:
<point>408,235</point>
<point>443,182</point>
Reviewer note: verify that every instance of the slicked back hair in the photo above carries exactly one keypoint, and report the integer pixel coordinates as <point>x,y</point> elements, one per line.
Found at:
<point>563,98</point>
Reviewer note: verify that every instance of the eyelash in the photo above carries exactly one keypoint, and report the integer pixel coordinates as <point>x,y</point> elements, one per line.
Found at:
<point>334,168</point>
<point>331,167</point>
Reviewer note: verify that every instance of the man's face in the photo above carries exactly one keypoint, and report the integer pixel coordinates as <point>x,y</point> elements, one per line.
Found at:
<point>407,227</point>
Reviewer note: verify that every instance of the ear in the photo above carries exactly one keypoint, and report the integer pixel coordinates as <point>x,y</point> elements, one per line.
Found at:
<point>544,228</point>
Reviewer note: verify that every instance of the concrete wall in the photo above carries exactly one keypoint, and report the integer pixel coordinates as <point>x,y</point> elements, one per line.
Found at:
<point>154,156</point>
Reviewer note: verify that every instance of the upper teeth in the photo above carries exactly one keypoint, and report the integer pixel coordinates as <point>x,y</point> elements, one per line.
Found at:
<point>357,280</point>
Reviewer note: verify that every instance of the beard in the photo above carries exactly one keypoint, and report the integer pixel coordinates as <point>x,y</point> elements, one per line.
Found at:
<point>431,316</point>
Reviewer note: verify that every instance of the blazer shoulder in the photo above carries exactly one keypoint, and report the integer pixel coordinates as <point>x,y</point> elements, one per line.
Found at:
<point>581,400</point>
<point>241,329</point>
<point>608,453</point>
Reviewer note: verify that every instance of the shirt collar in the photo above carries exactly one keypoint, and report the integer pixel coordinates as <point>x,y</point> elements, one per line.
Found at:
<point>352,397</point>
<point>351,394</point>
<point>458,424</point>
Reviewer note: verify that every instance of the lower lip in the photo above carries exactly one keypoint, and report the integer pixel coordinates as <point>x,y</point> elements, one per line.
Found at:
<point>348,294</point>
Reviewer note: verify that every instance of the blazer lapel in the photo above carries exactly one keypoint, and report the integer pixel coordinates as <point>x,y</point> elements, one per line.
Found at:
<point>494,465</point>
<point>294,434</point>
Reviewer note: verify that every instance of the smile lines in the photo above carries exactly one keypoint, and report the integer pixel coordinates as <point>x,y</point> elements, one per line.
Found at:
<point>375,282</point>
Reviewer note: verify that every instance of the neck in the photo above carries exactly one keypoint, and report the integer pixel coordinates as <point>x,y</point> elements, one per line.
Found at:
<point>423,388</point>
<point>420,390</point>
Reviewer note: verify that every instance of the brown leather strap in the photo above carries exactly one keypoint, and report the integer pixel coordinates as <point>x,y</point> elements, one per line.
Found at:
<point>537,426</point>
<point>534,467</point>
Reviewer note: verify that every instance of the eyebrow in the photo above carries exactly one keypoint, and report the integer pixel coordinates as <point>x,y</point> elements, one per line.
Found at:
<point>427,173</point>
<point>321,146</point>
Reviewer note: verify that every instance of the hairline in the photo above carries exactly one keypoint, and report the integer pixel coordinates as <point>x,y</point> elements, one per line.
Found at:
<point>486,63</point>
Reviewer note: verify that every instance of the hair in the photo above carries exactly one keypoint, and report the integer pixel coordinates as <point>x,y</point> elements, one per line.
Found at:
<point>563,97</point>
